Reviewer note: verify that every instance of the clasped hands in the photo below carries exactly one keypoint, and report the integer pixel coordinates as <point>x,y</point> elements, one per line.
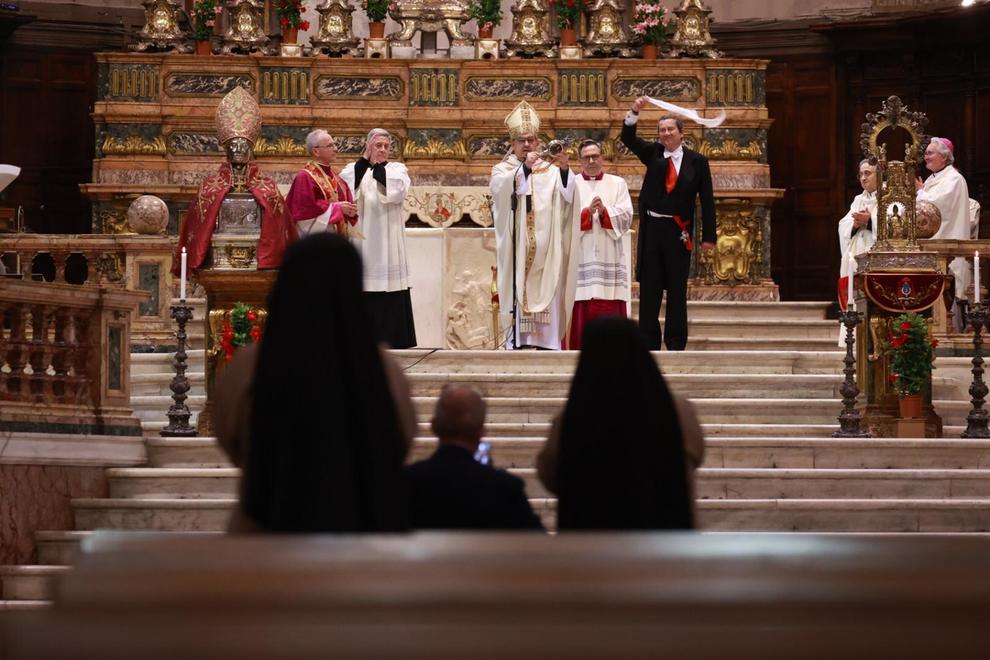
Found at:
<point>860,218</point>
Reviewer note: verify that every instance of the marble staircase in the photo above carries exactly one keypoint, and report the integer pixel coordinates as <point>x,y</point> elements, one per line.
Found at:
<point>764,378</point>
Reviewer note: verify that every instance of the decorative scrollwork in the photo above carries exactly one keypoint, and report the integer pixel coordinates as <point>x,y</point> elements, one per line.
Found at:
<point>108,267</point>
<point>134,145</point>
<point>435,148</point>
<point>729,149</point>
<point>283,146</point>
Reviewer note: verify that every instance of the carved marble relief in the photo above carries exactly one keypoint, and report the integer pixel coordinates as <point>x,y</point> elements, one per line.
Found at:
<point>669,89</point>
<point>206,84</point>
<point>735,87</point>
<point>582,87</point>
<point>340,87</point>
<point>470,322</point>
<point>283,86</point>
<point>486,146</point>
<point>507,88</point>
<point>187,143</point>
<point>128,82</point>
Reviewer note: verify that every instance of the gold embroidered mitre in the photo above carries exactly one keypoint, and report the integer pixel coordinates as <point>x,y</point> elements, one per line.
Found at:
<point>238,115</point>
<point>523,120</point>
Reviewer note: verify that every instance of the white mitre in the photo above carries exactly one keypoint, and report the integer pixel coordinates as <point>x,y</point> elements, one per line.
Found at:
<point>523,120</point>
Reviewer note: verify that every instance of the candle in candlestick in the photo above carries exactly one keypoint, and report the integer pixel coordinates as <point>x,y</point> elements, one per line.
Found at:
<point>182,277</point>
<point>976,277</point>
<point>850,303</point>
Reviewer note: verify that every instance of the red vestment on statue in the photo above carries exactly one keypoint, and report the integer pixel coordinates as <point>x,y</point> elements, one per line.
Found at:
<point>277,231</point>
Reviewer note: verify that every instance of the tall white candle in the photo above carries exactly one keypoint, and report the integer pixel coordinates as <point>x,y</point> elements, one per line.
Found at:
<point>850,303</point>
<point>976,277</point>
<point>182,276</point>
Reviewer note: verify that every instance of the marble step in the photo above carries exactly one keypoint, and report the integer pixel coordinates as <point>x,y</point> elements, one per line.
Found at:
<point>152,428</point>
<point>757,343</point>
<point>153,408</point>
<point>185,452</point>
<point>30,583</point>
<point>765,311</point>
<point>775,328</point>
<point>778,483</point>
<point>783,452</point>
<point>58,547</point>
<point>167,514</point>
<point>690,385</point>
<point>161,363</point>
<point>828,361</point>
<point>846,515</point>
<point>158,383</point>
<point>164,483</point>
<point>724,410</point>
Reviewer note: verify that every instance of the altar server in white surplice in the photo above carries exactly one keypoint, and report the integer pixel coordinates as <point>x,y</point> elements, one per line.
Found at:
<point>379,189</point>
<point>946,189</point>
<point>857,227</point>
<point>531,199</point>
<point>598,276</point>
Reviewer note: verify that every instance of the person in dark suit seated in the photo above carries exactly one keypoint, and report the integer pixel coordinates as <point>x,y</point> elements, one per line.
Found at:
<point>452,490</point>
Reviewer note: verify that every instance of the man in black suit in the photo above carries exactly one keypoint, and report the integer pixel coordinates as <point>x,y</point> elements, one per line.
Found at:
<point>675,176</point>
<point>450,489</point>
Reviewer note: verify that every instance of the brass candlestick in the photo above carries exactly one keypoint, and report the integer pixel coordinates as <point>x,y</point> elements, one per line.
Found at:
<point>976,420</point>
<point>178,412</point>
<point>850,418</point>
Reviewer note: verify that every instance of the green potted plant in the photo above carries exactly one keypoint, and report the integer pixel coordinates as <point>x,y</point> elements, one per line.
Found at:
<point>488,13</point>
<point>568,19</point>
<point>289,13</point>
<point>650,20</point>
<point>376,10</point>
<point>205,14</point>
<point>910,352</point>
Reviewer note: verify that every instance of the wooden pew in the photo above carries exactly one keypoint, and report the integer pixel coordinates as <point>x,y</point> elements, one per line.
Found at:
<point>517,595</point>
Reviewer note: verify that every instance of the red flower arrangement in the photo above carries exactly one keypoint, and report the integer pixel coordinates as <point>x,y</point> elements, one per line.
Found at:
<point>289,14</point>
<point>911,354</point>
<point>242,329</point>
<point>568,13</point>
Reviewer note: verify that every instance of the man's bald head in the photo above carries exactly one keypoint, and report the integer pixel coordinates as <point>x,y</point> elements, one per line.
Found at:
<point>459,417</point>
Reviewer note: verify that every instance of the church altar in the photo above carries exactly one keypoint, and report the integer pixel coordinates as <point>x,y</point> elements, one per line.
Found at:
<point>155,135</point>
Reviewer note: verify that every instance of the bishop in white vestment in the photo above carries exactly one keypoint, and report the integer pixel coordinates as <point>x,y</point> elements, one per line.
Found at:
<point>379,189</point>
<point>946,189</point>
<point>531,207</point>
<point>598,274</point>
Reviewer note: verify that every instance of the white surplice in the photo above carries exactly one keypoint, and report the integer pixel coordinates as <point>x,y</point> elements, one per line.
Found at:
<point>541,317</point>
<point>862,240</point>
<point>947,190</point>
<point>601,257</point>
<point>381,223</point>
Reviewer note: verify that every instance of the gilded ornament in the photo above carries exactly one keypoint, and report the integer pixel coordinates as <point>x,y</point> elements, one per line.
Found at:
<point>435,148</point>
<point>240,256</point>
<point>693,37</point>
<point>335,35</point>
<point>530,30</point>
<point>161,28</point>
<point>607,35</point>
<point>429,16</point>
<point>283,146</point>
<point>108,267</point>
<point>246,31</point>
<point>133,145</point>
<point>113,221</point>
<point>738,254</point>
<point>730,149</point>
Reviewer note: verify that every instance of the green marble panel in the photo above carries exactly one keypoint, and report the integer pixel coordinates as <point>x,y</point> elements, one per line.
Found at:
<point>735,88</point>
<point>433,87</point>
<point>582,87</point>
<point>149,278</point>
<point>278,85</point>
<point>137,83</point>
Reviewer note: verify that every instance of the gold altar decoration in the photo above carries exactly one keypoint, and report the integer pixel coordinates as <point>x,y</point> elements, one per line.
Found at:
<point>738,254</point>
<point>429,16</point>
<point>246,30</point>
<point>435,148</point>
<point>693,37</point>
<point>730,149</point>
<point>607,35</point>
<point>283,146</point>
<point>530,30</point>
<point>134,145</point>
<point>161,27</point>
<point>335,34</point>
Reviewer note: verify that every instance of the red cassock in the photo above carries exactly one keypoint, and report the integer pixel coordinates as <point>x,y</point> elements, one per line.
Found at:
<point>277,231</point>
<point>313,190</point>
